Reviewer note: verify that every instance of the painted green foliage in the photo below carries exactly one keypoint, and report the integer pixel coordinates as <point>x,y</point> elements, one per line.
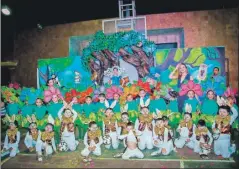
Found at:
<point>161,55</point>
<point>56,64</point>
<point>196,57</point>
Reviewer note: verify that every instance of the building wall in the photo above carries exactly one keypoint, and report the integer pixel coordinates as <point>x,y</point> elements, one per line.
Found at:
<point>201,28</point>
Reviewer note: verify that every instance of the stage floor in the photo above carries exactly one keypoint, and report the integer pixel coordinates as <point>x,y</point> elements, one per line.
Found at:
<point>184,158</point>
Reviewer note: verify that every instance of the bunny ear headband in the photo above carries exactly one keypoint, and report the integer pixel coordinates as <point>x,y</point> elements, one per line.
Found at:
<point>31,119</point>
<point>51,120</point>
<point>107,105</point>
<point>188,108</point>
<point>144,104</point>
<point>10,120</point>
<point>221,101</point>
<point>124,108</point>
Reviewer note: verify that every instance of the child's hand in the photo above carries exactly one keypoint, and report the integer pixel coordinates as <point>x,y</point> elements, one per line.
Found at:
<point>187,140</point>
<point>156,142</point>
<point>207,145</point>
<point>93,148</point>
<point>164,150</point>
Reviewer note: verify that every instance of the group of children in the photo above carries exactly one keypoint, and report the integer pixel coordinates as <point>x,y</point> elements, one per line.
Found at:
<point>141,123</point>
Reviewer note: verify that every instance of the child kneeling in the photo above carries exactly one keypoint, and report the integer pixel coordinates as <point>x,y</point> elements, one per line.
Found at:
<point>92,140</point>
<point>131,143</point>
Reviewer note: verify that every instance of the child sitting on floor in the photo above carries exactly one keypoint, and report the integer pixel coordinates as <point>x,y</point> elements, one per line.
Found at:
<point>92,141</point>
<point>131,143</point>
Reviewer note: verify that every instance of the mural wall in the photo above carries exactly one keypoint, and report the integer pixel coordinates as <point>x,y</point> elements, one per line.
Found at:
<point>199,28</point>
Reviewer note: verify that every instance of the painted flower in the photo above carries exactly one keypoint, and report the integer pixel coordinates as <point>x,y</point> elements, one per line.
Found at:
<point>190,86</point>
<point>84,94</point>
<point>71,94</point>
<point>111,91</point>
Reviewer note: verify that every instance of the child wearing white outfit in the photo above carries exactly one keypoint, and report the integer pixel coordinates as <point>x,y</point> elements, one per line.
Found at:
<point>67,126</point>
<point>144,124</point>
<point>203,139</point>
<point>186,129</point>
<point>46,142</point>
<point>162,138</point>
<point>92,141</point>
<point>110,128</point>
<point>222,125</point>
<point>131,143</point>
<point>31,136</point>
<point>12,138</point>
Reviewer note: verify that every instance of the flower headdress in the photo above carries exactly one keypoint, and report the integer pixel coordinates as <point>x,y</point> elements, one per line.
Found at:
<point>48,94</point>
<point>133,90</point>
<point>71,94</point>
<point>144,85</point>
<point>14,85</point>
<point>190,86</point>
<point>9,94</point>
<point>84,94</point>
<point>97,92</point>
<point>109,71</point>
<point>111,91</point>
<point>232,93</point>
<point>30,95</point>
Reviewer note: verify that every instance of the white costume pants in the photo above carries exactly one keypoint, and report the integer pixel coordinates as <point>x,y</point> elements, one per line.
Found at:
<point>145,140</point>
<point>132,153</point>
<point>199,149</point>
<point>14,150</point>
<point>114,141</point>
<point>29,142</point>
<point>43,146</point>
<point>69,138</point>
<point>86,152</point>
<point>223,147</point>
<point>168,146</point>
<point>180,142</point>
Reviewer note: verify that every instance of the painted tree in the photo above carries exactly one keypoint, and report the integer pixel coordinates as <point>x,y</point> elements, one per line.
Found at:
<point>105,51</point>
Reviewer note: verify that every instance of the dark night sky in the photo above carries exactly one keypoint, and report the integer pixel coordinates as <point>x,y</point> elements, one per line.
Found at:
<point>28,13</point>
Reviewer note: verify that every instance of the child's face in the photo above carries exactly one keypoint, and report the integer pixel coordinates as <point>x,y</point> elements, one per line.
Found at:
<point>116,96</point>
<point>157,96</point>
<point>33,126</point>
<point>38,102</point>
<point>50,83</point>
<point>191,94</point>
<point>108,113</point>
<point>165,122</point>
<point>215,71</point>
<point>48,128</point>
<point>67,113</point>
<point>74,100</point>
<point>187,117</point>
<point>124,118</point>
<point>12,126</point>
<point>55,98</point>
<point>142,93</point>
<point>230,100</point>
<point>223,112</point>
<point>129,98</point>
<point>93,127</point>
<point>10,101</point>
<point>145,111</point>
<point>115,71</point>
<point>210,95</point>
<point>88,100</point>
<point>160,123</point>
<point>101,98</point>
<point>200,127</point>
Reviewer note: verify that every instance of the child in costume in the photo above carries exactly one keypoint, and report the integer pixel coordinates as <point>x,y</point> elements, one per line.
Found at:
<point>26,110</point>
<point>209,108</point>
<point>142,100</point>
<point>110,128</point>
<point>186,129</point>
<point>170,129</point>
<point>12,138</point>
<point>40,110</point>
<point>100,108</point>
<point>131,139</point>
<point>131,108</point>
<point>13,108</point>
<point>32,134</point>
<point>162,138</point>
<point>67,126</point>
<point>46,141</point>
<point>144,124</point>
<point>88,110</point>
<point>92,141</point>
<point>173,108</point>
<point>203,140</point>
<point>158,103</point>
<point>193,91</point>
<point>222,126</point>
